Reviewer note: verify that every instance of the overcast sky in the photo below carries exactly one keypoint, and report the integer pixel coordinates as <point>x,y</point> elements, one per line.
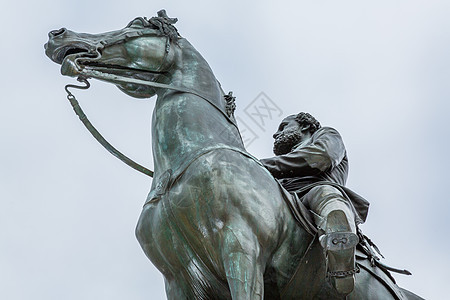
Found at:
<point>378,73</point>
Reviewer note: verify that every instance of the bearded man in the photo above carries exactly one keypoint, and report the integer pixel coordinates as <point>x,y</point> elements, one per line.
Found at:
<point>311,161</point>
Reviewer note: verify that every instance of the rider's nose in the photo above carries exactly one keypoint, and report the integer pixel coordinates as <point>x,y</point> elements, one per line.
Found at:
<point>54,33</point>
<point>275,135</point>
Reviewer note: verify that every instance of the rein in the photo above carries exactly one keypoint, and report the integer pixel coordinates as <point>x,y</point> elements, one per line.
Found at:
<point>89,73</point>
<point>120,79</point>
<point>84,119</point>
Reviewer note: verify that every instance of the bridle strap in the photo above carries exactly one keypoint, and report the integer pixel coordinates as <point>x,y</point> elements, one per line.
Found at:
<point>123,37</point>
<point>90,73</point>
<point>120,79</point>
<point>135,34</point>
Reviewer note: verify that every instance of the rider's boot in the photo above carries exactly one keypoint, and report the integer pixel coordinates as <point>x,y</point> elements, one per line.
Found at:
<point>339,240</point>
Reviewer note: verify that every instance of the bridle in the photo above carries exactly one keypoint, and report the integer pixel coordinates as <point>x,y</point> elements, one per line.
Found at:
<point>87,73</point>
<point>128,35</point>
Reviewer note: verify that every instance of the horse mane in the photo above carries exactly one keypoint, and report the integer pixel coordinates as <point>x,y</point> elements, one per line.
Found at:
<point>164,25</point>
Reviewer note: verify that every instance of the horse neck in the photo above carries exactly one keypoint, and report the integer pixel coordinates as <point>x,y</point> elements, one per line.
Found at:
<point>191,71</point>
<point>183,123</point>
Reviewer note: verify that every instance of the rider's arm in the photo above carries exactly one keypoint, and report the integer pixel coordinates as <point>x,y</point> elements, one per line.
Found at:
<point>326,150</point>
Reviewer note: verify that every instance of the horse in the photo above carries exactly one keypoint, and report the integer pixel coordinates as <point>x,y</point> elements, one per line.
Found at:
<point>216,224</point>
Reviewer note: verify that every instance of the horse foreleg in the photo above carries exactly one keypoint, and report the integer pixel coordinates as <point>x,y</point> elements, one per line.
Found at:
<point>173,291</point>
<point>241,258</point>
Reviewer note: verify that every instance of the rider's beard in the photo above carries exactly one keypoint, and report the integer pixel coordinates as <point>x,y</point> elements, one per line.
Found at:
<point>284,143</point>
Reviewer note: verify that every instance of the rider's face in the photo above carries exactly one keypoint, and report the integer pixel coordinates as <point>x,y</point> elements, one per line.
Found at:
<point>288,135</point>
<point>287,126</point>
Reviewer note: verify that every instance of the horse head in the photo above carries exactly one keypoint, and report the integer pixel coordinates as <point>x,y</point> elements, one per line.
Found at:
<point>149,57</point>
<point>145,49</point>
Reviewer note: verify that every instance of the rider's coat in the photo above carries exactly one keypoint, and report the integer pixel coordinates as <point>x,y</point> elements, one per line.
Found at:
<point>321,159</point>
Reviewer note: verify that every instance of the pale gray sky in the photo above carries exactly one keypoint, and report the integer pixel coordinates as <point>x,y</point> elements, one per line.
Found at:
<point>378,72</point>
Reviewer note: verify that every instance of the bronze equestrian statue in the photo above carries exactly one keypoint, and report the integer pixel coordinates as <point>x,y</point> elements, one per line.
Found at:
<point>216,223</point>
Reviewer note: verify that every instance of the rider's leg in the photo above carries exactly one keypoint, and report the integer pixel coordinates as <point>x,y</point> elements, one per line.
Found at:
<point>336,221</point>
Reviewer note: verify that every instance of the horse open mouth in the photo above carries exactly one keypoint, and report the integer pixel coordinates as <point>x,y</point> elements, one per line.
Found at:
<point>69,50</point>
<point>75,58</point>
<point>72,58</point>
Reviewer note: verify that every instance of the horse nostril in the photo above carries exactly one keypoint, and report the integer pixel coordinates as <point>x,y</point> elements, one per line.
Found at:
<point>57,32</point>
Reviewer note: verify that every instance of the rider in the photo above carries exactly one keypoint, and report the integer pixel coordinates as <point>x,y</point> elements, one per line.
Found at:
<point>311,161</point>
